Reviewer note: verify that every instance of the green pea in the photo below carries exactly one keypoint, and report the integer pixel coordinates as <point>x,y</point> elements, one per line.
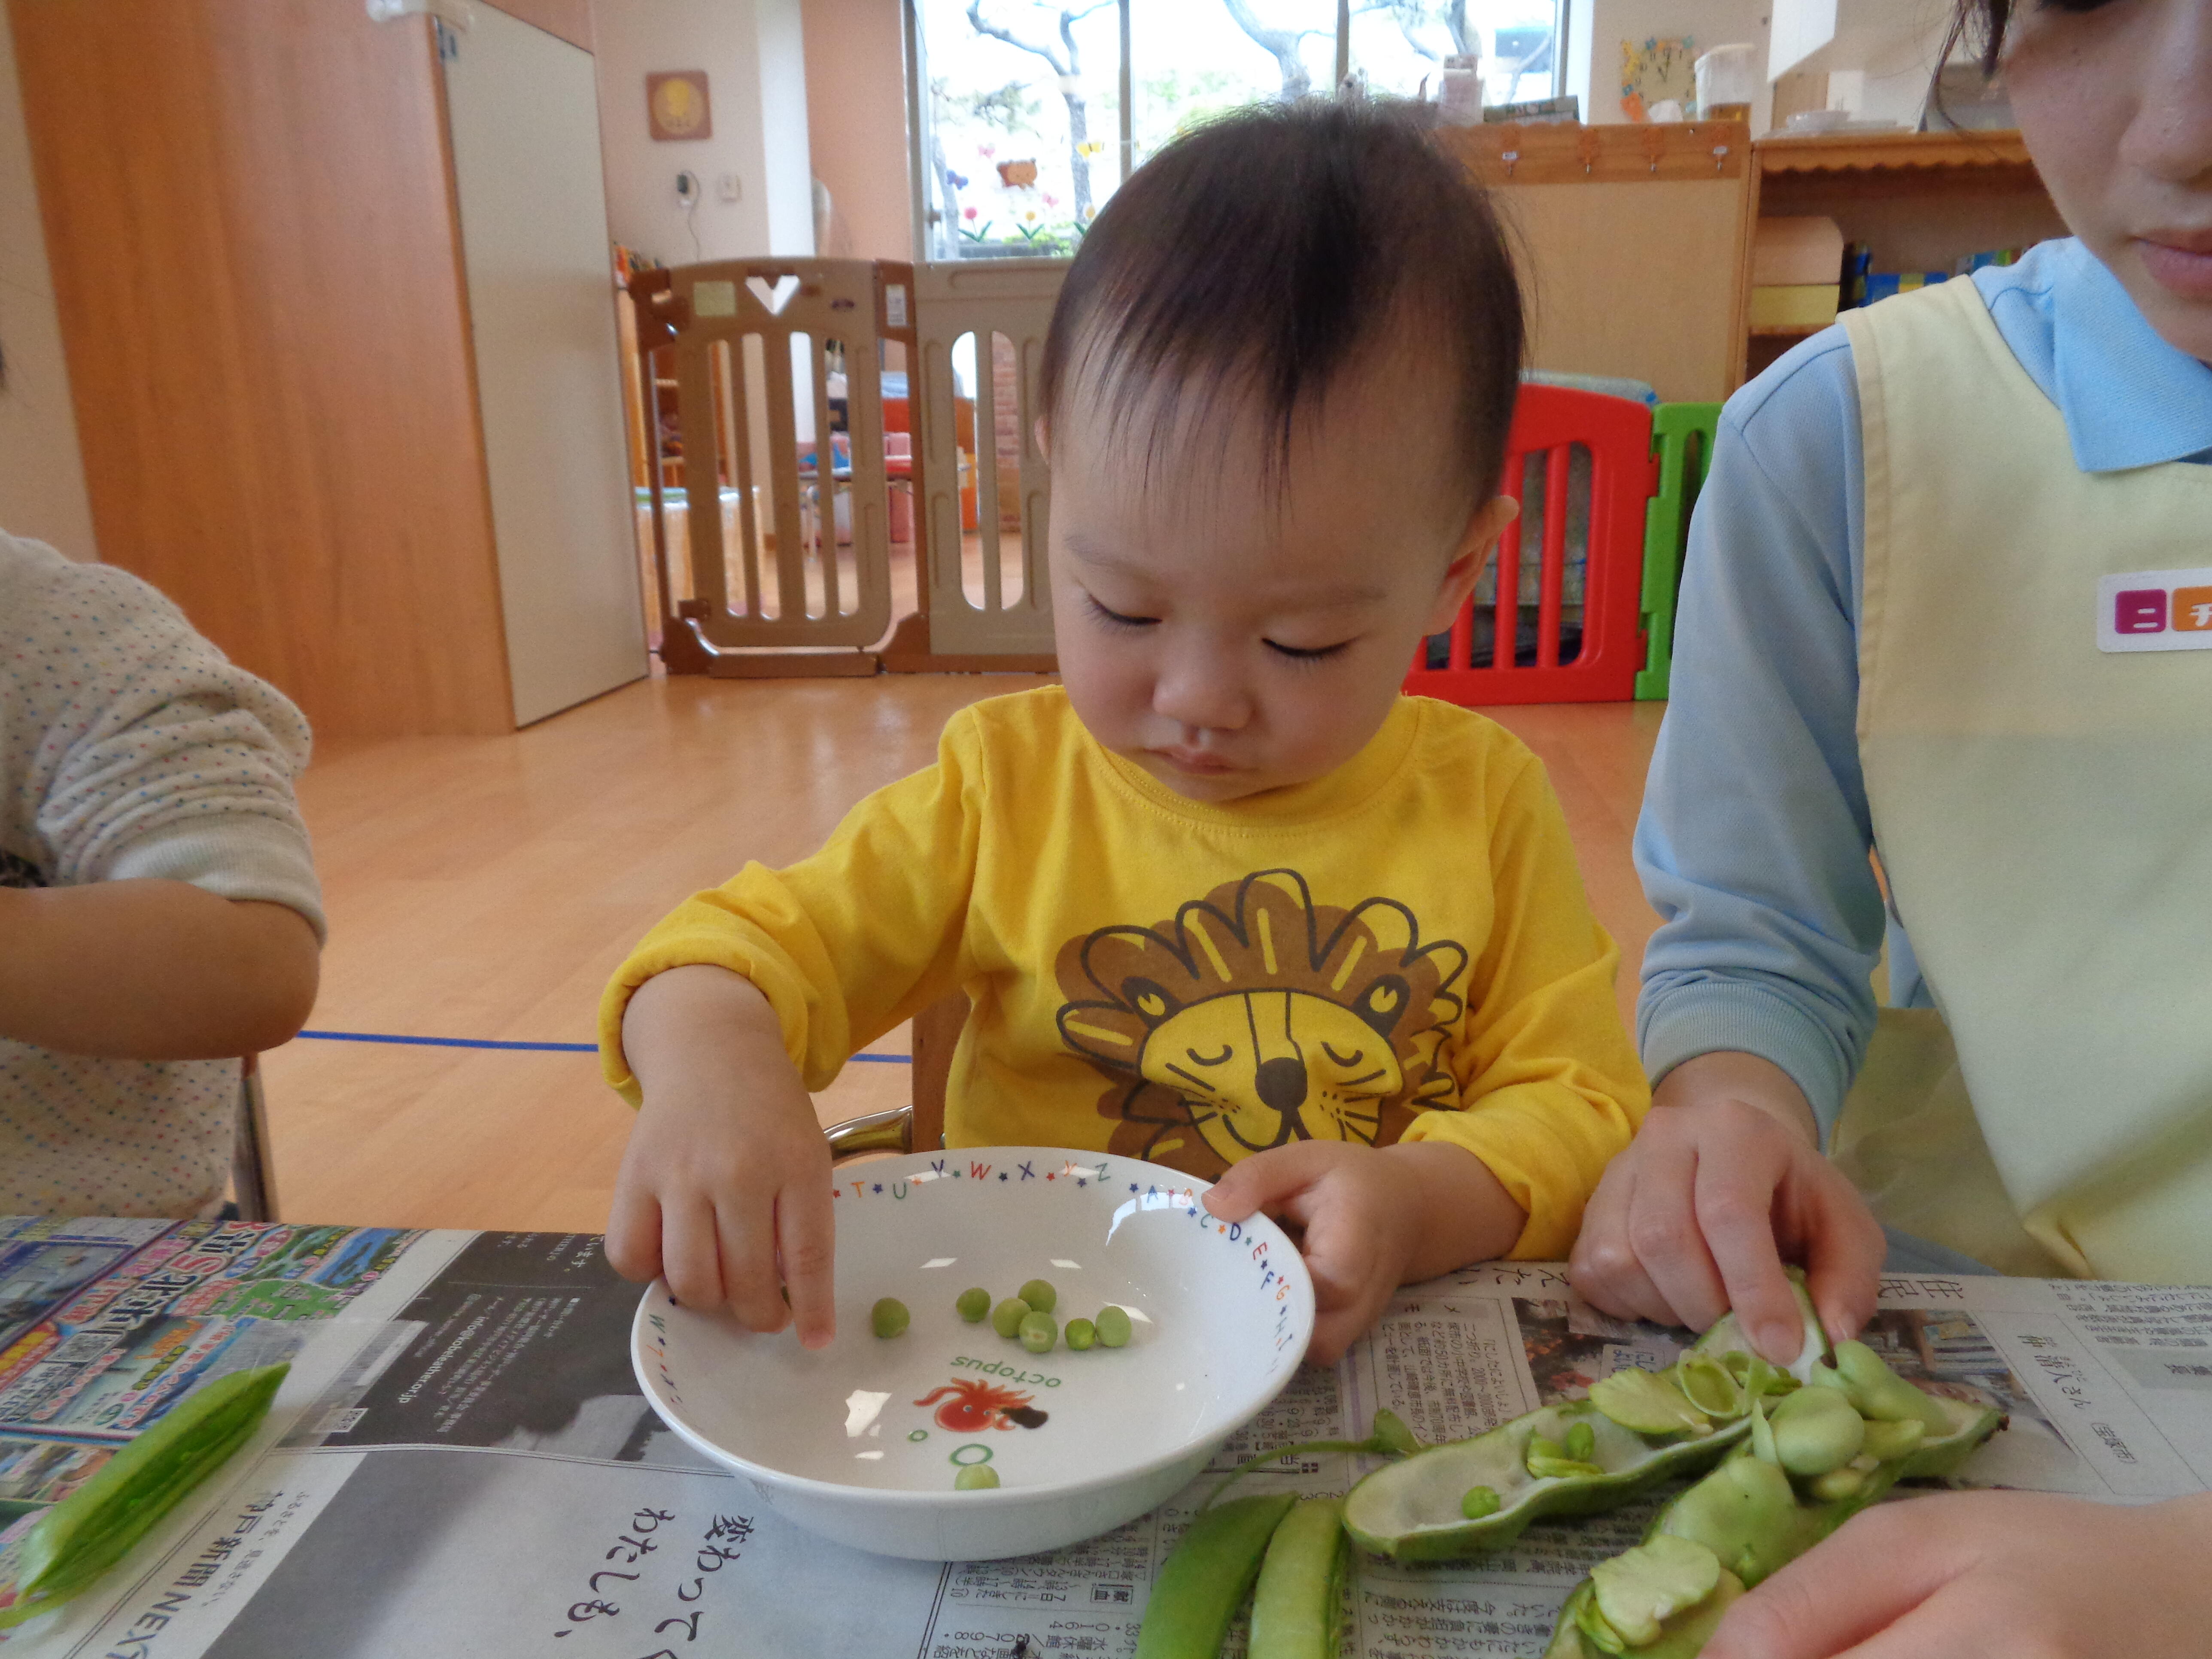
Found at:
<point>1038,1332</point>
<point>1479,1501</point>
<point>889,1317</point>
<point>975,1305</point>
<point>1201,1585</point>
<point>976,1477</point>
<point>1080,1333</point>
<point>1113,1324</point>
<point>1581,1443</point>
<point>1040,1295</point>
<point>1006,1318</point>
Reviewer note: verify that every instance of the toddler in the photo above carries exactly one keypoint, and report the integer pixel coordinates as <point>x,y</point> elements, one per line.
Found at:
<point>1223,899</point>
<point>158,914</point>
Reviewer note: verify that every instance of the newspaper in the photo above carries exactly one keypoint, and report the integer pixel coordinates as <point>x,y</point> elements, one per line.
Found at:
<point>462,1462</point>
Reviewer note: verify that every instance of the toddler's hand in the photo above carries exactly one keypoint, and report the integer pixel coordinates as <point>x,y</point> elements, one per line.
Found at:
<point>1695,1217</point>
<point>2021,1574</point>
<point>725,1187</point>
<point>1370,1219</point>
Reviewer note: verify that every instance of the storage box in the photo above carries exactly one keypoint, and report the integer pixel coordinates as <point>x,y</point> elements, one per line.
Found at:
<point>1793,253</point>
<point>1796,305</point>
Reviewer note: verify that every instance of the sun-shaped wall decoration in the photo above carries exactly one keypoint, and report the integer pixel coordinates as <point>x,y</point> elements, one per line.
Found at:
<point>676,105</point>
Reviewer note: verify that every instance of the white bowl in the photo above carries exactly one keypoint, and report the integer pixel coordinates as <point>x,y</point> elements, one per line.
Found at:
<point>860,1442</point>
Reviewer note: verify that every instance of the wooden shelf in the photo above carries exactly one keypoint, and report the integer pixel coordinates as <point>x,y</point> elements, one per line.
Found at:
<point>1568,153</point>
<point>1864,152</point>
<point>1920,200</point>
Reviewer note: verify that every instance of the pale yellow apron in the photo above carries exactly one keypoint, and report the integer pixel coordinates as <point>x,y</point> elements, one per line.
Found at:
<point>2043,810</point>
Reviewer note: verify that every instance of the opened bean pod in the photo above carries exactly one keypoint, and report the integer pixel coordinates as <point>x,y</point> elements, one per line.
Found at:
<point>1802,1472</point>
<point>1576,1457</point>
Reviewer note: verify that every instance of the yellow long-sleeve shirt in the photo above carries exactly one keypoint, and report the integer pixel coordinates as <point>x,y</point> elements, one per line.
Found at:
<point>1400,950</point>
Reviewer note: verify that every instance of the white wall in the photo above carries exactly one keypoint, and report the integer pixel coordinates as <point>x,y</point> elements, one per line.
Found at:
<point>41,473</point>
<point>1877,54</point>
<point>753,51</point>
<point>1595,29</point>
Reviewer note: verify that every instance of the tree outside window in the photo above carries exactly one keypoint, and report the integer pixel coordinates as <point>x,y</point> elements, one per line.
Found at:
<point>1025,130</point>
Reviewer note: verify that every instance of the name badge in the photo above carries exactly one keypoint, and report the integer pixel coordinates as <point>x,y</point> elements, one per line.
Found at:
<point>2155,610</point>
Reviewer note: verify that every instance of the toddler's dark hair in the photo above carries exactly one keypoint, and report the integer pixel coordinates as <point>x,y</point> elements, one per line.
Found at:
<point>1258,257</point>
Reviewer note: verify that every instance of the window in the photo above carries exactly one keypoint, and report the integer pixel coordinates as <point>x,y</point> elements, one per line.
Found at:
<point>1031,111</point>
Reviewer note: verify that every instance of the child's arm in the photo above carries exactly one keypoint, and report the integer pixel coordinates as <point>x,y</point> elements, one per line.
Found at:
<point>152,969</point>
<point>1372,1218</point>
<point>1549,1086</point>
<point>1694,1218</point>
<point>727,1173</point>
<point>149,784</point>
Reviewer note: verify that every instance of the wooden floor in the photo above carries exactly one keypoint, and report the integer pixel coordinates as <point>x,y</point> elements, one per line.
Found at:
<point>484,887</point>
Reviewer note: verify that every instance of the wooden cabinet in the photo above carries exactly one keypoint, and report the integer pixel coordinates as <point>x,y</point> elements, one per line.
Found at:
<point>342,388</point>
<point>1634,245</point>
<point>1920,200</point>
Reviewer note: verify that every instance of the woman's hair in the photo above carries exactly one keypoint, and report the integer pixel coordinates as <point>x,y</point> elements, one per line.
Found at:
<point>1980,24</point>
<point>1983,24</point>
<point>1254,259</point>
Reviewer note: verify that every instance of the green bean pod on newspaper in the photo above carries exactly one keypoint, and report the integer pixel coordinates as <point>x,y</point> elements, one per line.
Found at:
<point>1787,1456</point>
<point>1812,1460</point>
<point>1635,1430</point>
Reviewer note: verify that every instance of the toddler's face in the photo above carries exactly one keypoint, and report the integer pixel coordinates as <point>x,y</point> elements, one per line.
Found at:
<point>1230,638</point>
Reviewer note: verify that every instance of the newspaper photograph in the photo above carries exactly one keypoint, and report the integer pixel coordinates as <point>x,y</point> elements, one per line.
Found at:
<point>462,1460</point>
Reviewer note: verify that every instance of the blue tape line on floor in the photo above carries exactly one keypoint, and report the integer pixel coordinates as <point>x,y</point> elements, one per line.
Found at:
<point>532,1048</point>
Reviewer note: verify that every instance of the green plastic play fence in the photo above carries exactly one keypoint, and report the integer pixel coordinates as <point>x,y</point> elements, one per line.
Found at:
<point>1683,436</point>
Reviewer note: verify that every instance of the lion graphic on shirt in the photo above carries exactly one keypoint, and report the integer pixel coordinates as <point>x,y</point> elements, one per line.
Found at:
<point>1257,1017</point>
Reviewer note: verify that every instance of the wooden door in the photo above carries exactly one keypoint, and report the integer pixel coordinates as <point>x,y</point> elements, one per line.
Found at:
<point>533,205</point>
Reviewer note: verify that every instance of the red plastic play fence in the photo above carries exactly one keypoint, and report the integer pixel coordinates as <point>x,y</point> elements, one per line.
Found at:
<point>1548,422</point>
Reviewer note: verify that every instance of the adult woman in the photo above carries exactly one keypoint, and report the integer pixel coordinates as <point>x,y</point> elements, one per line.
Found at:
<point>1941,605</point>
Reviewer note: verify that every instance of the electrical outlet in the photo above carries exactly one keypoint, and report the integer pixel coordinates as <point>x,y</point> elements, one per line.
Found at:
<point>727,187</point>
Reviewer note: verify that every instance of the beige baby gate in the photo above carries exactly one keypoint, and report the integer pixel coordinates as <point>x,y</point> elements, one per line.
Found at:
<point>774,555</point>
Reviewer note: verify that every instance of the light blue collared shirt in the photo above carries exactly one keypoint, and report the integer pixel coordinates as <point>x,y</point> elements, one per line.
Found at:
<point>1753,839</point>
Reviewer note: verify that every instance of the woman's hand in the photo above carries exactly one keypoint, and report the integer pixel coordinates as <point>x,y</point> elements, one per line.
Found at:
<point>2016,1574</point>
<point>1369,1220</point>
<point>725,1187</point>
<point>1723,1180</point>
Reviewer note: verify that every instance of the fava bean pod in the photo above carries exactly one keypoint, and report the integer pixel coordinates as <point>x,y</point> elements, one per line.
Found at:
<point>1802,1472</point>
<point>1635,1430</point>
